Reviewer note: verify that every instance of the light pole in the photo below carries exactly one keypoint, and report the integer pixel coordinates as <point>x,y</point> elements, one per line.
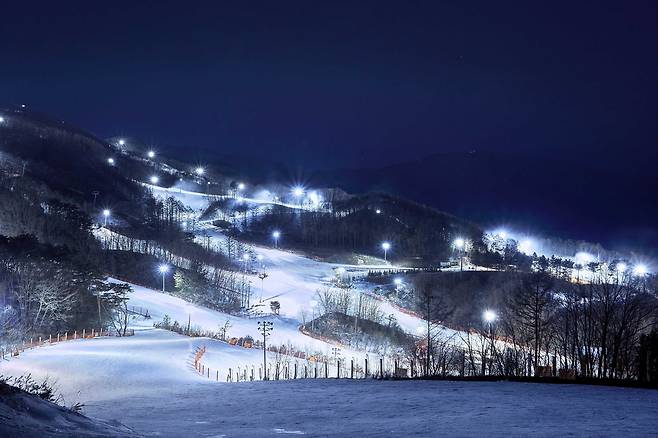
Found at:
<point>265,327</point>
<point>489,317</point>
<point>460,244</point>
<point>275,236</point>
<point>163,270</point>
<point>151,154</point>
<point>106,214</point>
<point>386,246</point>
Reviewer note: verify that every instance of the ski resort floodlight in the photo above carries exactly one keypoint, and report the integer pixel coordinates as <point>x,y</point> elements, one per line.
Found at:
<point>122,142</point>
<point>489,316</point>
<point>298,192</point>
<point>397,281</point>
<point>502,234</point>
<point>459,243</point>
<point>155,179</point>
<point>2,119</point>
<point>640,270</point>
<point>378,211</point>
<point>199,171</point>
<point>151,154</point>
<point>621,267</point>
<point>526,246</point>
<point>583,258</point>
<point>106,214</point>
<point>241,186</point>
<point>163,270</point>
<point>110,161</point>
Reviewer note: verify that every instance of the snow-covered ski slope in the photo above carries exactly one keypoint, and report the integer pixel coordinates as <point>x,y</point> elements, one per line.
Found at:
<point>148,382</point>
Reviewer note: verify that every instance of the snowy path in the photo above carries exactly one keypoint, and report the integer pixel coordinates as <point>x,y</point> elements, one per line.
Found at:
<point>148,383</point>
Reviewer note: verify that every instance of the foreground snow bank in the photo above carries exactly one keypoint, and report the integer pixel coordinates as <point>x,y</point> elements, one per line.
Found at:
<point>26,415</point>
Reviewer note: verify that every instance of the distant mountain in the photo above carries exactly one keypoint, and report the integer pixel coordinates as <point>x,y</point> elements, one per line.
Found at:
<point>544,196</point>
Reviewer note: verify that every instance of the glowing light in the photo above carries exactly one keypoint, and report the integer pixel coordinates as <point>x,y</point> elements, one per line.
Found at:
<point>155,180</point>
<point>386,246</point>
<point>2,119</point>
<point>489,316</point>
<point>378,211</point>
<point>199,170</point>
<point>106,213</point>
<point>340,270</point>
<point>259,257</point>
<point>502,234</point>
<point>163,269</point>
<point>459,243</point>
<point>110,161</point>
<point>397,281</point>
<point>241,186</point>
<point>151,154</point>
<point>621,267</point>
<point>298,192</point>
<point>276,234</point>
<point>583,258</point>
<point>526,246</point>
<point>640,270</point>
<point>245,257</point>
<point>122,142</point>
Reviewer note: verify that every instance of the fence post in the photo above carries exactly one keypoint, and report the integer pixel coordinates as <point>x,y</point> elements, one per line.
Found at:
<point>84,333</point>
<point>57,337</point>
<point>295,376</point>
<point>352,369</point>
<point>230,374</point>
<point>326,370</point>
<point>252,373</point>
<point>316,371</point>
<point>381,367</point>
<point>366,368</point>
<point>338,368</point>
<point>92,333</point>
<point>209,373</point>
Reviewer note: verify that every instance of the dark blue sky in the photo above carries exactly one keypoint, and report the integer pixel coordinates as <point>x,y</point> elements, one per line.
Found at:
<point>346,83</point>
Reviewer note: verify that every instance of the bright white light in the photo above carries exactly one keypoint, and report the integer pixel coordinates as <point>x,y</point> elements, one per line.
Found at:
<point>2,119</point>
<point>378,211</point>
<point>621,267</point>
<point>155,180</point>
<point>583,258</point>
<point>386,246</point>
<point>397,281</point>
<point>502,234</point>
<point>640,270</point>
<point>259,257</point>
<point>199,170</point>
<point>489,316</point>
<point>315,198</point>
<point>298,191</point>
<point>110,160</point>
<point>163,268</point>
<point>276,234</point>
<point>106,213</point>
<point>151,154</point>
<point>340,270</point>
<point>245,257</point>
<point>526,246</point>
<point>122,142</point>
<point>459,243</point>
<point>241,186</point>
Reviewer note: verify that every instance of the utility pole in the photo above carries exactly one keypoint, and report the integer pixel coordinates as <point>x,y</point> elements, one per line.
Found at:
<point>265,327</point>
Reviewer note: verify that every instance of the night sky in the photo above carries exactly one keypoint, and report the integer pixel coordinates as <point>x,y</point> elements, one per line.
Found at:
<point>346,84</point>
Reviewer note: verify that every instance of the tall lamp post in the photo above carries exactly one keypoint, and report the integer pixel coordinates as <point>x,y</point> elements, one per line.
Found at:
<point>386,246</point>
<point>265,327</point>
<point>163,270</point>
<point>106,214</point>
<point>460,244</point>
<point>275,236</point>
<point>489,317</point>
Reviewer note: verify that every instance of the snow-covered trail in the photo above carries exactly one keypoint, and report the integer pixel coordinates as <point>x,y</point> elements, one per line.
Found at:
<point>148,383</point>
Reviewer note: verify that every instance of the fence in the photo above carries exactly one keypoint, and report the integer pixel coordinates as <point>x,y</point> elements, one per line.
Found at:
<point>41,341</point>
<point>289,368</point>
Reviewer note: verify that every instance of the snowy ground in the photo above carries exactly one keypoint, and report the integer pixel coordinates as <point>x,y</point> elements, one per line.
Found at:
<point>160,394</point>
